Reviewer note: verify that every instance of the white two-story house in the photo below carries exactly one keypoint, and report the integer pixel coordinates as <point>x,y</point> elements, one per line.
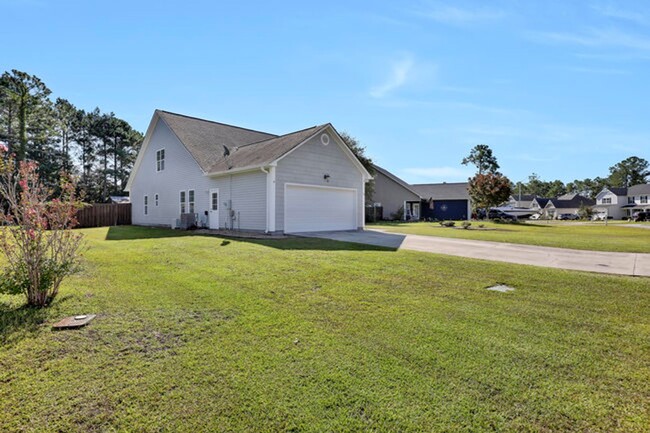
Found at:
<point>622,203</point>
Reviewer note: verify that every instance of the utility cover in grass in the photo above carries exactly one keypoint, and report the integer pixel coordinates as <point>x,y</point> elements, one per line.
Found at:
<point>73,322</point>
<point>501,288</point>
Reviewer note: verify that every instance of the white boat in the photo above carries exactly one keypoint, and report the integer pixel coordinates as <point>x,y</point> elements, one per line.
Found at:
<point>519,212</point>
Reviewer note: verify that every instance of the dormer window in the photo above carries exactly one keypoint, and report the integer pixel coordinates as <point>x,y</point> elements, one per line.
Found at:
<point>160,160</point>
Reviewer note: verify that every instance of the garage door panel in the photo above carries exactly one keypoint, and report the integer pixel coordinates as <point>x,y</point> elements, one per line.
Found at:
<point>312,208</point>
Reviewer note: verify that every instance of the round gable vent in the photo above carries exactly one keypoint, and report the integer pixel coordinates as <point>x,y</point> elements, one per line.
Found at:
<point>325,139</point>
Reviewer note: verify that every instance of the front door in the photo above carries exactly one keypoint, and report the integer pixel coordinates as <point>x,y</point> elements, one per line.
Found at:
<point>214,209</point>
<point>415,214</point>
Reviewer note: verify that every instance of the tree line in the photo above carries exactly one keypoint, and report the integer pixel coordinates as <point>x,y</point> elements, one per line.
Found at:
<point>96,147</point>
<point>488,187</point>
<point>630,171</point>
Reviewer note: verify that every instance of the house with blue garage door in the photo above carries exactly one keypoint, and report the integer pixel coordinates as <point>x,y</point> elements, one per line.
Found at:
<point>444,201</point>
<point>192,171</point>
<point>428,201</point>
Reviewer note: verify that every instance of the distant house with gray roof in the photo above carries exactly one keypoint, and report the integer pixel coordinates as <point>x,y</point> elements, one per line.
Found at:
<point>445,201</point>
<point>427,201</point>
<point>223,176</point>
<point>622,203</point>
<point>567,204</point>
<point>391,193</point>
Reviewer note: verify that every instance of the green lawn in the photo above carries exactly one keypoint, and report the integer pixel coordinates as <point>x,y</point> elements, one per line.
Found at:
<point>198,333</point>
<point>576,235</point>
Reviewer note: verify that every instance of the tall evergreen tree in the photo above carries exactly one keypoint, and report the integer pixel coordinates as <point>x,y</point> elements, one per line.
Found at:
<point>28,110</point>
<point>630,171</point>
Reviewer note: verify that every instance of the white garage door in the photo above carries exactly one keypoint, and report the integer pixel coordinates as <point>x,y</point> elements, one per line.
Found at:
<point>312,209</point>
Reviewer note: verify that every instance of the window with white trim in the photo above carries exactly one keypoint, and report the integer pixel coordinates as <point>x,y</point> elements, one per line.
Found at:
<point>190,196</point>
<point>644,199</point>
<point>156,199</point>
<point>160,160</point>
<point>607,200</point>
<point>146,205</point>
<point>182,199</point>
<point>215,200</point>
<point>630,200</point>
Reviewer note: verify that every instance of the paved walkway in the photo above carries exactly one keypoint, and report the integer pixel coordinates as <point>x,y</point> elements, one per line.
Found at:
<point>579,260</point>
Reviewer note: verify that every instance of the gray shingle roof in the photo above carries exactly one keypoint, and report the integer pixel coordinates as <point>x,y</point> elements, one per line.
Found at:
<point>641,189</point>
<point>395,179</point>
<point>205,140</point>
<point>442,191</point>
<point>618,191</point>
<point>574,202</point>
<point>263,152</point>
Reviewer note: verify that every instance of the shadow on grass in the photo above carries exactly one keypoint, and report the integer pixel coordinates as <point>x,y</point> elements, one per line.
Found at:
<point>129,233</point>
<point>119,233</point>
<point>20,321</point>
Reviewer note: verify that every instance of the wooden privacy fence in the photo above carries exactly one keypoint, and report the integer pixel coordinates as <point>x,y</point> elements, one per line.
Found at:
<point>102,215</point>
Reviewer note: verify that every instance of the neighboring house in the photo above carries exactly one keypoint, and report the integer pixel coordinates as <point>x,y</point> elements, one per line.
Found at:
<point>538,204</point>
<point>611,202</point>
<point>638,199</point>
<point>521,200</point>
<point>566,204</point>
<point>224,176</point>
<point>442,201</point>
<point>391,192</point>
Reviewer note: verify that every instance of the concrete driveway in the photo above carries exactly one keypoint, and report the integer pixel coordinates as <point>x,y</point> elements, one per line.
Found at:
<point>578,260</point>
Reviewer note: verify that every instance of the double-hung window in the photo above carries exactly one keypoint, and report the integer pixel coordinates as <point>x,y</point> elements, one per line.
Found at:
<point>190,196</point>
<point>146,205</point>
<point>644,199</point>
<point>182,200</point>
<point>160,160</point>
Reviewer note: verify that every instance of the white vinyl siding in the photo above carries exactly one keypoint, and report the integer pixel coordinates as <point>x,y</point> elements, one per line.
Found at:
<point>309,164</point>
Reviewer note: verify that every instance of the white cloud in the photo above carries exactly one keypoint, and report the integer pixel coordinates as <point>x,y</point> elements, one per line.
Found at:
<point>447,174</point>
<point>602,71</point>
<point>626,15</point>
<point>453,15</point>
<point>597,38</point>
<point>400,74</point>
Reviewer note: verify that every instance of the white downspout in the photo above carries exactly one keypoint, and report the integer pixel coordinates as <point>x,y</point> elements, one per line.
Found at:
<point>270,198</point>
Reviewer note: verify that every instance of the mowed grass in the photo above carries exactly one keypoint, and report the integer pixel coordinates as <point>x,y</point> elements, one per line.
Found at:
<point>575,235</point>
<point>198,333</point>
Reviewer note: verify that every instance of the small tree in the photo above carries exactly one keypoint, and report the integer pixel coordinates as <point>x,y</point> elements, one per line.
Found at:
<point>488,190</point>
<point>360,152</point>
<point>38,241</point>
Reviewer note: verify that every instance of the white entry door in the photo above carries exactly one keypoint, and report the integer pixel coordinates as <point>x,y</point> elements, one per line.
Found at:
<point>310,208</point>
<point>214,209</point>
<point>416,211</point>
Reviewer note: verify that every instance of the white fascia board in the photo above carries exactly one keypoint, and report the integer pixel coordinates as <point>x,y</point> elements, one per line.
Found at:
<point>143,149</point>
<point>239,170</point>
<point>339,141</point>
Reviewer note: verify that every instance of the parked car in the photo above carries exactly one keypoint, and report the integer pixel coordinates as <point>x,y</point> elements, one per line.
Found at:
<point>642,216</point>
<point>568,216</point>
<point>494,213</point>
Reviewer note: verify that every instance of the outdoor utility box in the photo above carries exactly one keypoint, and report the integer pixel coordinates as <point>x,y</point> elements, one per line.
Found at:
<point>188,220</point>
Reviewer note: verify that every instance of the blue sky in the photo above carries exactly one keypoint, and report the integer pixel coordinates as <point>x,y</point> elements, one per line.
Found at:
<point>556,88</point>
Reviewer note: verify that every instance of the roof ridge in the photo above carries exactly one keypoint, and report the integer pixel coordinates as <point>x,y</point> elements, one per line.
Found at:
<point>219,123</point>
<point>283,135</point>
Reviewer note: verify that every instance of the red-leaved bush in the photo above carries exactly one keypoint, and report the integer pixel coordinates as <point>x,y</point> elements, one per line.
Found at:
<point>36,235</point>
